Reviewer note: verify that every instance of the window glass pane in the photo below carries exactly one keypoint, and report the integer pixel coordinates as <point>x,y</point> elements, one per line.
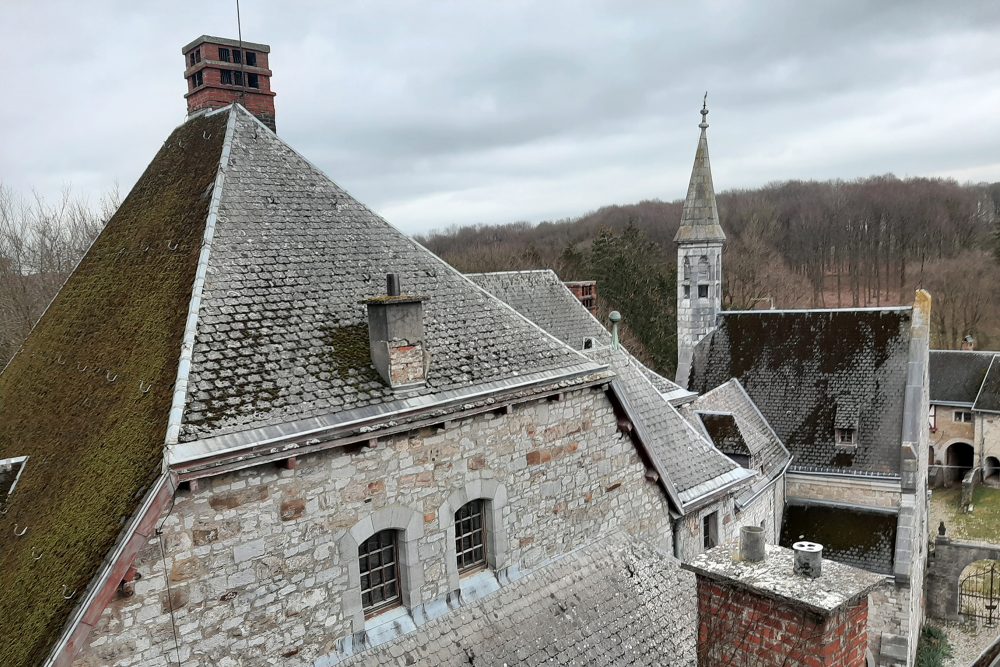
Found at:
<point>379,572</point>
<point>470,546</point>
<point>251,59</point>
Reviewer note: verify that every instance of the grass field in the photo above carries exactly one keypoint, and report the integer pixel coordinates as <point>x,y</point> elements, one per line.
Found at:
<point>981,525</point>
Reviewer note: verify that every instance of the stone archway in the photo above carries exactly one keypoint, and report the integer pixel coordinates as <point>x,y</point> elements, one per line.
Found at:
<point>960,459</point>
<point>953,564</point>
<point>991,471</point>
<point>979,592</point>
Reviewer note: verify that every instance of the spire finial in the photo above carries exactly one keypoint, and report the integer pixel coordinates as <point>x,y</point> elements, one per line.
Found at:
<point>704,112</point>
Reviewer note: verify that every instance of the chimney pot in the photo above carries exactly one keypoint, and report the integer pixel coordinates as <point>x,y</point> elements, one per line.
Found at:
<point>392,284</point>
<point>752,544</point>
<point>808,560</point>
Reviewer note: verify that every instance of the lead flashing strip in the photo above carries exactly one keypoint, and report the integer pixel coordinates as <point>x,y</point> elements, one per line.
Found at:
<point>194,306</point>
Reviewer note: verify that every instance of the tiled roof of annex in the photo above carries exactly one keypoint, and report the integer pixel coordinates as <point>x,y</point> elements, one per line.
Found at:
<point>689,464</point>
<point>615,601</point>
<point>956,376</point>
<point>768,455</point>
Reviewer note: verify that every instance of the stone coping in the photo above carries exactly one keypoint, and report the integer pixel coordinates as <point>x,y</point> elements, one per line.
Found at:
<point>837,586</point>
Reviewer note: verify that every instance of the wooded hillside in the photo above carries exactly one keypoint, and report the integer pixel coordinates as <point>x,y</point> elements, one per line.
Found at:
<point>796,244</point>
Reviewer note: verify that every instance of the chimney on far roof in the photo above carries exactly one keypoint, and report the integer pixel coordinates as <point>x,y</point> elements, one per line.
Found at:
<point>969,343</point>
<point>396,336</point>
<point>221,71</point>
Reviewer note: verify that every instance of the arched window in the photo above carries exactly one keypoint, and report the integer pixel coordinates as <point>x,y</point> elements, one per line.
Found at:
<point>477,537</point>
<point>470,537</point>
<point>378,562</point>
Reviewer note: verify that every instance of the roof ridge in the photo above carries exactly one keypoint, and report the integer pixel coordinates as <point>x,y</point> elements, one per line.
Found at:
<point>176,413</point>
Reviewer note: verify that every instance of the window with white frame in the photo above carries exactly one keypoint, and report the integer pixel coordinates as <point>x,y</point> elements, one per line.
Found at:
<point>378,559</point>
<point>846,437</point>
<point>470,537</point>
<point>963,416</point>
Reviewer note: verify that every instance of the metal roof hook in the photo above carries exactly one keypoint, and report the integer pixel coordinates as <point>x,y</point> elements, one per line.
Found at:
<point>110,377</point>
<point>70,596</point>
<point>60,360</point>
<point>206,135</point>
<point>33,556</point>
<point>144,388</point>
<point>23,531</point>
<point>173,247</point>
<point>80,368</point>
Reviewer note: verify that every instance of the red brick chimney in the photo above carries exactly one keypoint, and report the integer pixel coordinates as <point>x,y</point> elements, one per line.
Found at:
<point>585,291</point>
<point>765,614</point>
<point>221,71</point>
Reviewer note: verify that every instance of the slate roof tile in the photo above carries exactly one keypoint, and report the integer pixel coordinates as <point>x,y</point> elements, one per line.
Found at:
<point>756,437</point>
<point>988,399</point>
<point>689,461</point>
<point>956,376</point>
<point>616,601</point>
<point>797,365</point>
<point>282,332</point>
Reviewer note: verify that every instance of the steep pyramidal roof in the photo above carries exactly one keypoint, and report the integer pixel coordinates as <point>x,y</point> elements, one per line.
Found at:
<point>700,217</point>
<point>86,399</point>
<point>282,333</point>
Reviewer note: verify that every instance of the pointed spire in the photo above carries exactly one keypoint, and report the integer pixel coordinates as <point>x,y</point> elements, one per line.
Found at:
<point>700,218</point>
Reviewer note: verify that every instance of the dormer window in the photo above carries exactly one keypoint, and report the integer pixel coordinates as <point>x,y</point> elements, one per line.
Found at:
<point>10,472</point>
<point>846,437</point>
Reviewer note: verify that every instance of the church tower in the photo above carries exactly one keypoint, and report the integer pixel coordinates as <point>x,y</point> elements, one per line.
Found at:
<point>699,258</point>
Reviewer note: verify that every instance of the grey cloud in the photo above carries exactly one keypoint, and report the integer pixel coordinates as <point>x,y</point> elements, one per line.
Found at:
<point>451,112</point>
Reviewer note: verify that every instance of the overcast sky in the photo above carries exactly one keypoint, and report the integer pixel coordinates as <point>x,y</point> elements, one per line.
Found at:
<point>441,113</point>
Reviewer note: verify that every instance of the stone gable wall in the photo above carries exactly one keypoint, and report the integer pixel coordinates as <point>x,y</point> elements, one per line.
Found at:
<point>251,562</point>
<point>766,508</point>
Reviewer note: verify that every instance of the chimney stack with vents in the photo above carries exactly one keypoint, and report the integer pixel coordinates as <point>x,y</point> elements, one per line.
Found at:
<point>753,609</point>
<point>969,343</point>
<point>396,336</point>
<point>221,71</point>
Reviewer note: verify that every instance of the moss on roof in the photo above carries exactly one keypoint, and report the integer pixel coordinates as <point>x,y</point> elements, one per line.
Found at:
<point>71,399</point>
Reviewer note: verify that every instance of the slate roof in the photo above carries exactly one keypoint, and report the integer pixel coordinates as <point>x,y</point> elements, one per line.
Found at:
<point>797,366</point>
<point>988,399</point>
<point>540,296</point>
<point>282,333</point>
<point>700,216</point>
<point>73,400</point>
<point>853,537</point>
<point>753,435</point>
<point>681,455</point>
<point>956,376</point>
<point>616,601</point>
<point>687,462</point>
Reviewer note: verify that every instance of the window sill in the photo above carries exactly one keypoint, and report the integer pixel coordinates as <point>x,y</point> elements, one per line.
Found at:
<point>388,625</point>
<point>477,585</point>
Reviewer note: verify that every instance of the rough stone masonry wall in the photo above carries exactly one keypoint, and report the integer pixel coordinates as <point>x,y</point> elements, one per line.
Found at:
<point>739,627</point>
<point>988,434</point>
<point>688,536</point>
<point>252,558</point>
<point>860,492</point>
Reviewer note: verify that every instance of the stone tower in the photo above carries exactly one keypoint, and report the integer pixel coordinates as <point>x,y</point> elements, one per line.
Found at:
<point>699,258</point>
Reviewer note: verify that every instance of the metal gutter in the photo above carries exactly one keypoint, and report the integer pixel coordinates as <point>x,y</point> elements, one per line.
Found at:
<point>338,429</point>
<point>757,494</point>
<point>102,587</point>
<point>194,305</point>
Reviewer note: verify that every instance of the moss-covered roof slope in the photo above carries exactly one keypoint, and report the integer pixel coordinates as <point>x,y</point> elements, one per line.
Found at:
<point>87,397</point>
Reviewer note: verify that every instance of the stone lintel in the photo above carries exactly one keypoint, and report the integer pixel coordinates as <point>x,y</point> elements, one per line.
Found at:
<point>838,586</point>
